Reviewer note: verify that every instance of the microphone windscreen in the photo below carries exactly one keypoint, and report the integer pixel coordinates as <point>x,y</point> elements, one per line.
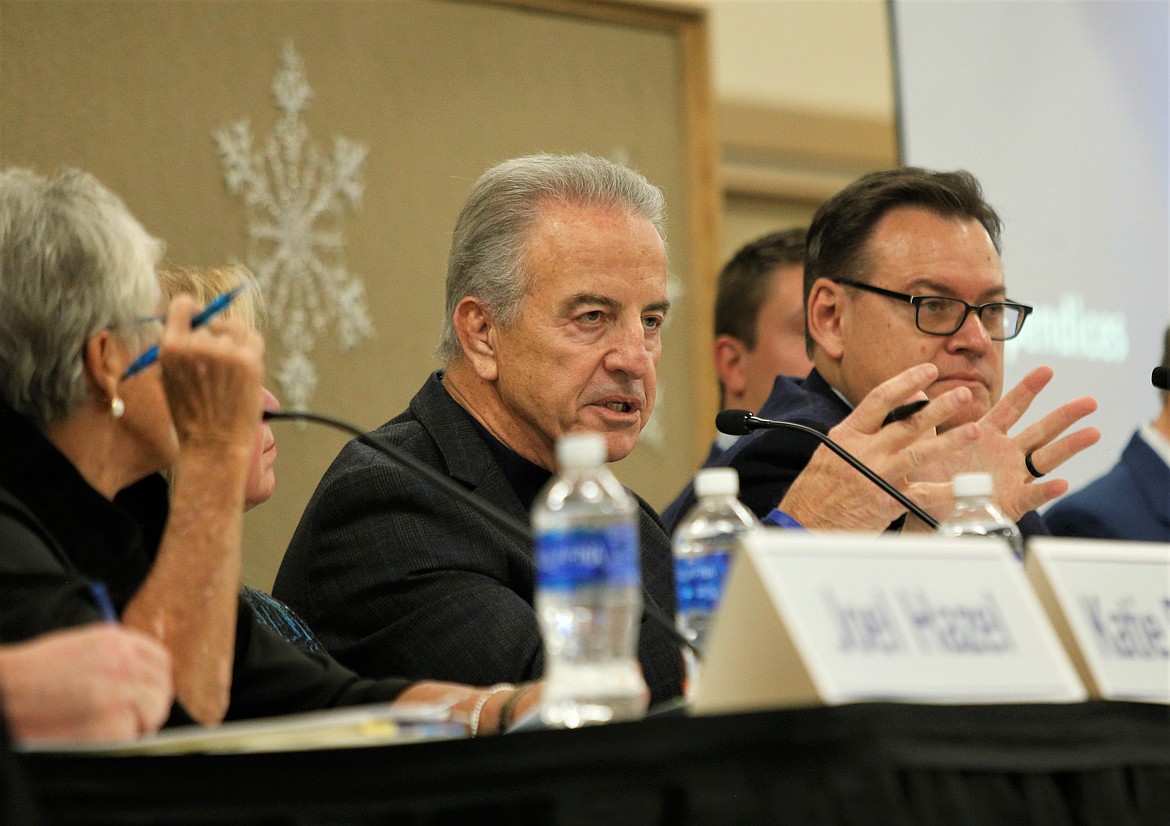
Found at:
<point>733,422</point>
<point>1159,379</point>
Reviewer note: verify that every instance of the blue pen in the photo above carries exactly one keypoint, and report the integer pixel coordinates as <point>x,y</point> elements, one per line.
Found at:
<point>101,598</point>
<point>202,317</point>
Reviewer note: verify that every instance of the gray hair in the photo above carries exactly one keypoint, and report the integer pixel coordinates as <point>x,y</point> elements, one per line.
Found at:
<point>490,237</point>
<point>73,261</point>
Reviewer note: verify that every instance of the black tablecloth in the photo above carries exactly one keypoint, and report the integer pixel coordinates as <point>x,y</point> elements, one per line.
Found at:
<point>1090,763</point>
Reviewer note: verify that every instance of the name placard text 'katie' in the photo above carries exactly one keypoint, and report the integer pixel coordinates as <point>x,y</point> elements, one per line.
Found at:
<point>838,618</point>
<point>1110,604</point>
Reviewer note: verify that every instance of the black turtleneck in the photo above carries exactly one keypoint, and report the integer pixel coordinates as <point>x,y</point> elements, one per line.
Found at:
<point>88,536</point>
<point>526,478</point>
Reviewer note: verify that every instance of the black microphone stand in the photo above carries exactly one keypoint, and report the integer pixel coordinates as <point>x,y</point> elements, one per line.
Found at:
<point>500,517</point>
<point>733,420</point>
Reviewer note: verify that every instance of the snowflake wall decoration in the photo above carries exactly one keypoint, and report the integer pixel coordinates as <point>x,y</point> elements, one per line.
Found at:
<point>296,197</point>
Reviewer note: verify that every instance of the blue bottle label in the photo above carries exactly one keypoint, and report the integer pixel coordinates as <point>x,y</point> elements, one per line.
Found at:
<point>579,557</point>
<point>699,580</point>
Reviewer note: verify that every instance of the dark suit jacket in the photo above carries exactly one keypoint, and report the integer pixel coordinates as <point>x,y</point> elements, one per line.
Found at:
<point>58,535</point>
<point>398,577</point>
<point>1131,501</point>
<point>769,460</point>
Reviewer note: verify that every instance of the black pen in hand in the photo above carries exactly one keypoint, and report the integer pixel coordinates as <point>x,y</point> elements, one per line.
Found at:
<point>905,411</point>
<point>202,317</point>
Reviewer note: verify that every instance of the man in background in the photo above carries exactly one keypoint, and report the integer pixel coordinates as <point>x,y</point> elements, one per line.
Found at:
<point>759,322</point>
<point>1131,501</point>
<point>902,269</point>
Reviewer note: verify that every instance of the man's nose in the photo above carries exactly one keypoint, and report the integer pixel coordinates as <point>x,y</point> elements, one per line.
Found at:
<point>270,401</point>
<point>971,335</point>
<point>631,353</point>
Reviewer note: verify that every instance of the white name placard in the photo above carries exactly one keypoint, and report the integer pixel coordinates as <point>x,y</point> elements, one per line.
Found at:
<point>1110,604</point>
<point>812,619</point>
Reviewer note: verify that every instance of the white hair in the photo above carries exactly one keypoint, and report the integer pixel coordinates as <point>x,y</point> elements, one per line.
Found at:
<point>490,237</point>
<point>73,261</point>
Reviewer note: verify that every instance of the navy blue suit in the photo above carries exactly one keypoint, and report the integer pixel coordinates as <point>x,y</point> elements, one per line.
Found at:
<point>769,460</point>
<point>1131,501</point>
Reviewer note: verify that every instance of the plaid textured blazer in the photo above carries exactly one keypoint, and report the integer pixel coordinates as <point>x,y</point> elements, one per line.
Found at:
<point>396,576</point>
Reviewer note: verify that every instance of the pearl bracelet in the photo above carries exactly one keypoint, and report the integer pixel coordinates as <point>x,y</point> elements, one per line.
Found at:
<point>473,721</point>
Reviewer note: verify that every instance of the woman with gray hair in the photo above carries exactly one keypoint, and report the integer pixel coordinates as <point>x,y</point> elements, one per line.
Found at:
<point>79,303</point>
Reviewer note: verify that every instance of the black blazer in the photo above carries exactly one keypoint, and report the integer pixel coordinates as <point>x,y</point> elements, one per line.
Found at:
<point>397,577</point>
<point>58,534</point>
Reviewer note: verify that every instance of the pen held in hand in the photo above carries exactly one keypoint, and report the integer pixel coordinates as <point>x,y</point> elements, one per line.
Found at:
<point>905,411</point>
<point>101,598</point>
<point>209,312</point>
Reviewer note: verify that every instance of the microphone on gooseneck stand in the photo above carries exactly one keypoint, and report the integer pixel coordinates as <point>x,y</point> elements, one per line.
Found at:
<point>1159,378</point>
<point>500,517</point>
<point>739,422</point>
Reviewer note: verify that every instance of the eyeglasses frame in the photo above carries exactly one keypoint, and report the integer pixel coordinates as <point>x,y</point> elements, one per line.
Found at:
<point>916,301</point>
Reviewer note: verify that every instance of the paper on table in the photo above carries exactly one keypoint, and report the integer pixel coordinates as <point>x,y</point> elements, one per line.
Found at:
<point>355,727</point>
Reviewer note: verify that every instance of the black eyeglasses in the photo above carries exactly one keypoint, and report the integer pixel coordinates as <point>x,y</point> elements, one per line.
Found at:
<point>939,315</point>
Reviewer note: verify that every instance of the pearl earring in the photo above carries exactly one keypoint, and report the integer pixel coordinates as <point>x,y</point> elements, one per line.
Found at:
<point>117,407</point>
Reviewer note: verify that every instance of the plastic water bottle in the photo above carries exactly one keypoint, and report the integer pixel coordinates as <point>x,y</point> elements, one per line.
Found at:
<point>588,590</point>
<point>975,514</point>
<point>704,543</point>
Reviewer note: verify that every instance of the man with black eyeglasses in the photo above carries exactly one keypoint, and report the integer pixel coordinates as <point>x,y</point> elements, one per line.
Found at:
<point>903,270</point>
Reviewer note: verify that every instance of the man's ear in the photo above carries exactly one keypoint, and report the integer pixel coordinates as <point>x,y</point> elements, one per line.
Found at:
<point>826,304</point>
<point>478,336</point>
<point>729,362</point>
<point>104,364</point>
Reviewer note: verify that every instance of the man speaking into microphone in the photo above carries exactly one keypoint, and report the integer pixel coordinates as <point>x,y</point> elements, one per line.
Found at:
<point>555,300</point>
<point>902,268</point>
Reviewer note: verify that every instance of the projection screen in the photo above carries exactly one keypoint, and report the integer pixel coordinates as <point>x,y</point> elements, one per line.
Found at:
<point>1060,109</point>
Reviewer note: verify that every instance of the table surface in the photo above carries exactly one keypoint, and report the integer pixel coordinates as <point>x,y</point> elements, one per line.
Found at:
<point>1095,762</point>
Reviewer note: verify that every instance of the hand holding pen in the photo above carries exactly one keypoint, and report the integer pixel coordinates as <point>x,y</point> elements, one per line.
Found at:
<point>209,312</point>
<point>211,374</point>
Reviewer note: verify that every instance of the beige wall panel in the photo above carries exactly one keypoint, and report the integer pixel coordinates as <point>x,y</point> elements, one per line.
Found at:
<point>437,91</point>
<point>746,218</point>
<point>828,56</point>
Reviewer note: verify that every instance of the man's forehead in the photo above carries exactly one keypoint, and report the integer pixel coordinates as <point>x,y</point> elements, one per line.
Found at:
<point>919,251</point>
<point>953,284</point>
<point>785,276</point>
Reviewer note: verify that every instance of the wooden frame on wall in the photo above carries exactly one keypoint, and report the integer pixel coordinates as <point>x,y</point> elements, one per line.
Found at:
<point>799,155</point>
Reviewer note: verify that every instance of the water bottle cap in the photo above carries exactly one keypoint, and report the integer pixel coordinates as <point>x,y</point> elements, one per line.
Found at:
<point>972,484</point>
<point>581,450</point>
<point>717,481</point>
